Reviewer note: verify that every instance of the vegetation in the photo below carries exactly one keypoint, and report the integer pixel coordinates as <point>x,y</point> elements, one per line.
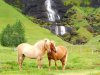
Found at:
<point>84,3</point>
<point>32,30</point>
<point>94,19</point>
<point>83,19</point>
<point>98,73</point>
<point>82,14</point>
<point>68,2</point>
<point>84,33</point>
<point>83,59</point>
<point>95,42</point>
<point>13,35</point>
<point>80,59</point>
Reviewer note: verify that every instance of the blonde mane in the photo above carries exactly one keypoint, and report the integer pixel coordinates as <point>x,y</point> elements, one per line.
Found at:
<point>41,44</point>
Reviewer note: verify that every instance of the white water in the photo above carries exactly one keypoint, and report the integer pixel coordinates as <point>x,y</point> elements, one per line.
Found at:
<point>52,14</point>
<point>61,29</point>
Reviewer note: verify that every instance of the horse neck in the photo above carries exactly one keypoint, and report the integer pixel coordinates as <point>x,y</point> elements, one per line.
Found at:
<point>40,46</point>
<point>43,48</point>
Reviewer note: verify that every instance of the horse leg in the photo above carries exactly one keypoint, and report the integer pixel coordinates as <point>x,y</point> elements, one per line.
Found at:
<point>20,61</point>
<point>39,61</point>
<point>63,61</point>
<point>49,64</point>
<point>56,65</point>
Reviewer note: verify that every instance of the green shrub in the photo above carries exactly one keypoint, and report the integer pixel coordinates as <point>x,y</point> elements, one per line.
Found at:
<point>76,17</point>
<point>77,2</point>
<point>83,32</point>
<point>72,2</point>
<point>94,20</point>
<point>12,35</point>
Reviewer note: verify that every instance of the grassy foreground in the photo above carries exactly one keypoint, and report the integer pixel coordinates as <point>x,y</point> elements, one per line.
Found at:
<point>81,60</point>
<point>81,63</point>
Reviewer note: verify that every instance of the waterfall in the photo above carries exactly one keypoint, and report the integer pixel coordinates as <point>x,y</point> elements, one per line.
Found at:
<point>60,30</point>
<point>63,30</point>
<point>51,13</point>
<point>53,16</point>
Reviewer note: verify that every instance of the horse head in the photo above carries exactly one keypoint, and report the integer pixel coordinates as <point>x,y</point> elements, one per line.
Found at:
<point>52,46</point>
<point>49,45</point>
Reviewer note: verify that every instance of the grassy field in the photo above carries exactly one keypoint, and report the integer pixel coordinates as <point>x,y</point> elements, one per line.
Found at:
<point>81,59</point>
<point>79,63</point>
<point>95,41</point>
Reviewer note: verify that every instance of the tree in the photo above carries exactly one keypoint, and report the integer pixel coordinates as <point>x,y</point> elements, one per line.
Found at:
<point>5,36</point>
<point>12,35</point>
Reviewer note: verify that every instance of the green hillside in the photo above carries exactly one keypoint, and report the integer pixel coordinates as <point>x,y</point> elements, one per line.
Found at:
<point>95,42</point>
<point>84,33</point>
<point>33,32</point>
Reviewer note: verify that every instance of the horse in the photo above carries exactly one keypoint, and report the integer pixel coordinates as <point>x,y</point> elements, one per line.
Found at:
<point>57,53</point>
<point>35,51</point>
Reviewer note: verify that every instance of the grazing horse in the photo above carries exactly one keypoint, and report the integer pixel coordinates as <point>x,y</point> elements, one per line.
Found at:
<point>57,53</point>
<point>35,51</point>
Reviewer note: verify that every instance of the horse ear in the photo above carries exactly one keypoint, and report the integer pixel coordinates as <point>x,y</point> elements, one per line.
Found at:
<point>45,40</point>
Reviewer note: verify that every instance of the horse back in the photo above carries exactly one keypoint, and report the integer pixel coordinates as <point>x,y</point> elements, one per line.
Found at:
<point>22,47</point>
<point>61,51</point>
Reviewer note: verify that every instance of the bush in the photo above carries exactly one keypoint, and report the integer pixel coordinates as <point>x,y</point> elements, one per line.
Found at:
<point>70,36</point>
<point>84,33</point>
<point>12,35</point>
<point>94,20</point>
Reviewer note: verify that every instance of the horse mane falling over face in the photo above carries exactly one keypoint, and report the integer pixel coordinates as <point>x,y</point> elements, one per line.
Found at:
<point>57,53</point>
<point>35,51</point>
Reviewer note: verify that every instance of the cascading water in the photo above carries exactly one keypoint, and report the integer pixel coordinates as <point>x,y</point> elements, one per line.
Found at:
<point>52,13</point>
<point>53,16</point>
<point>60,30</point>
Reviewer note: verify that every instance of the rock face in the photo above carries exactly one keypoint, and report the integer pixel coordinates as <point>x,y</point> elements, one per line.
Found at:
<point>37,8</point>
<point>95,3</point>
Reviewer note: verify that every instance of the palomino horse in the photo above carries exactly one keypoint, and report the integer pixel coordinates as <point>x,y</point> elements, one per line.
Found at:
<point>57,53</point>
<point>33,51</point>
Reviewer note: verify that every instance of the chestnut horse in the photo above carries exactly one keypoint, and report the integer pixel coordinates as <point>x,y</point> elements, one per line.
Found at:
<point>57,53</point>
<point>35,51</point>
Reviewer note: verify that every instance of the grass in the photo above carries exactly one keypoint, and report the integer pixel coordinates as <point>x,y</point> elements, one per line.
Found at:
<point>97,73</point>
<point>80,58</point>
<point>95,42</point>
<point>78,62</point>
<point>83,32</point>
<point>33,32</point>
